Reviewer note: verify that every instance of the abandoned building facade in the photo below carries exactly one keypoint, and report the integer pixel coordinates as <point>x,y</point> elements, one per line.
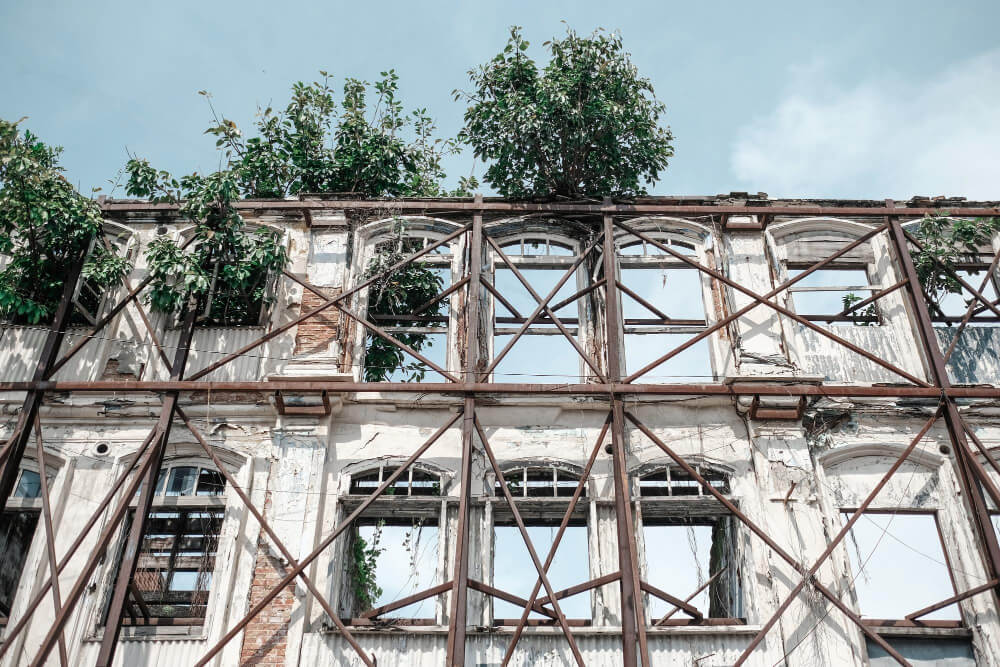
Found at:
<point>802,483</point>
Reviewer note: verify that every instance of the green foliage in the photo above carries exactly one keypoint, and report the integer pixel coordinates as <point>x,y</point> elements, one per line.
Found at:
<point>948,242</point>
<point>226,265</point>
<point>585,125</point>
<point>45,227</point>
<point>364,559</point>
<point>372,150</point>
<point>863,317</point>
<point>399,293</point>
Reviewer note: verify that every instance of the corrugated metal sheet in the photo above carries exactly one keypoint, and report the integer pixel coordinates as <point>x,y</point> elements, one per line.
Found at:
<point>20,348</point>
<point>147,652</point>
<point>210,344</point>
<point>429,650</point>
<point>976,359</point>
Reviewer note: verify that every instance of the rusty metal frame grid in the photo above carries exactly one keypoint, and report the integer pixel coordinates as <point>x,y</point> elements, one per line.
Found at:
<point>475,379</point>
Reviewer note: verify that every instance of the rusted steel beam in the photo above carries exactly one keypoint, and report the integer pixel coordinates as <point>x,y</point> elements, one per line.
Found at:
<point>604,580</point>
<point>638,208</point>
<point>666,617</point>
<point>501,298</point>
<point>808,575</point>
<point>50,536</point>
<point>956,431</point>
<point>971,307</point>
<point>443,295</point>
<point>687,608</point>
<point>378,331</point>
<point>551,312</point>
<point>96,557</point>
<point>540,308</point>
<point>459,597</point>
<point>509,597</point>
<point>326,542</point>
<point>645,304</point>
<point>11,633</point>
<point>953,599</point>
<point>140,517</point>
<point>567,515</point>
<point>978,296</point>
<point>864,302</point>
<point>632,612</point>
<point>750,306</point>
<point>13,451</point>
<point>779,308</point>
<point>565,389</point>
<point>528,543</point>
<point>577,295</point>
<point>766,539</point>
<point>408,600</point>
<point>266,527</point>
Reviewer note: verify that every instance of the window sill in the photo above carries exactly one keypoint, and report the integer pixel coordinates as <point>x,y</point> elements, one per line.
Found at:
<point>675,630</point>
<point>155,633</point>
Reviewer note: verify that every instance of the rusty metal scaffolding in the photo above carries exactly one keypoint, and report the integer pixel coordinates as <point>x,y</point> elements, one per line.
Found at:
<point>610,223</point>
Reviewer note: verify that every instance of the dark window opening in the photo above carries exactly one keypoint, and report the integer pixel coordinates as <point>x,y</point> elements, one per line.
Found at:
<point>15,540</point>
<point>674,481</point>
<point>413,482</point>
<point>539,482</point>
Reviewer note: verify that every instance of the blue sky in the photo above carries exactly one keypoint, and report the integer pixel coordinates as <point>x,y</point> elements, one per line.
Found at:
<point>846,99</point>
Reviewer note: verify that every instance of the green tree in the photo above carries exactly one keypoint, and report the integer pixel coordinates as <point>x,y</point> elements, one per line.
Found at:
<point>585,125</point>
<point>46,226</point>
<point>225,266</point>
<point>946,244</point>
<point>371,150</point>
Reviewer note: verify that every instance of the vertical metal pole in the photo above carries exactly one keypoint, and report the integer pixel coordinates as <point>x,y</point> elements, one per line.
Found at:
<point>457,621</point>
<point>130,557</point>
<point>50,536</point>
<point>13,452</point>
<point>953,421</point>
<point>631,597</point>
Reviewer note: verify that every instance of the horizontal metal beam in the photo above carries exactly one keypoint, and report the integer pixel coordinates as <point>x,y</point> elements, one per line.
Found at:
<point>686,389</point>
<point>640,207</point>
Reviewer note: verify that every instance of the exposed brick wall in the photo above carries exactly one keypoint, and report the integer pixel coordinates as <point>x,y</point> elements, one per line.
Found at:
<point>266,636</point>
<point>319,331</point>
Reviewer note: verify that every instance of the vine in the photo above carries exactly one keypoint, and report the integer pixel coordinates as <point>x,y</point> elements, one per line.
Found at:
<point>399,293</point>
<point>363,566</point>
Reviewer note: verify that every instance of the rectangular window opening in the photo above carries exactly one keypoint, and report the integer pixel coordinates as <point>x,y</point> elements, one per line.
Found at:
<point>391,561</point>
<point>899,566</point>
<point>514,573</point>
<point>825,293</point>
<point>682,555</point>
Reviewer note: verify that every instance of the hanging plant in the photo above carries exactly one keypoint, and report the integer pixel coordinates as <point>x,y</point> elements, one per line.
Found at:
<point>226,268</point>
<point>46,226</point>
<point>363,568</point>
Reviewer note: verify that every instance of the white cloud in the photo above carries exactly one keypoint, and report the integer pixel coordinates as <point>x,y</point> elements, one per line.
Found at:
<point>880,138</point>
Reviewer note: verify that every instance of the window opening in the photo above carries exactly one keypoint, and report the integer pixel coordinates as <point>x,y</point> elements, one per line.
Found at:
<point>949,308</point>
<point>414,482</point>
<point>16,534</point>
<point>825,293</point>
<point>177,556</point>
<point>393,559</point>
<point>674,481</point>
<point>539,482</point>
<point>899,565</point>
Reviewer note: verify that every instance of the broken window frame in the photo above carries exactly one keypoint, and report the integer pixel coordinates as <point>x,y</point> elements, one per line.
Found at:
<point>652,259</point>
<point>726,592</point>
<point>391,509</point>
<point>506,324</point>
<point>538,511</point>
<point>134,625</point>
<point>845,512</point>
<point>28,505</point>
<point>446,256</point>
<point>981,315</point>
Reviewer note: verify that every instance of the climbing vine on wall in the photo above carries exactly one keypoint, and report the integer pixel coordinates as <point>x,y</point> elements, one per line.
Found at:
<point>363,565</point>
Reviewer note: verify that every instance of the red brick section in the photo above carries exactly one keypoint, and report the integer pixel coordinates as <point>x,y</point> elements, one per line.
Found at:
<point>319,331</point>
<point>266,636</point>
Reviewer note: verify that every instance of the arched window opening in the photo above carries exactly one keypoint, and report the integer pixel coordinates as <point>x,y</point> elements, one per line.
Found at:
<point>176,562</point>
<point>538,482</point>
<point>414,482</point>
<point>675,481</point>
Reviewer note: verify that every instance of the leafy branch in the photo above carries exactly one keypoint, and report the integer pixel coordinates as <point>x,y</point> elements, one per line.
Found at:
<point>363,566</point>
<point>46,226</point>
